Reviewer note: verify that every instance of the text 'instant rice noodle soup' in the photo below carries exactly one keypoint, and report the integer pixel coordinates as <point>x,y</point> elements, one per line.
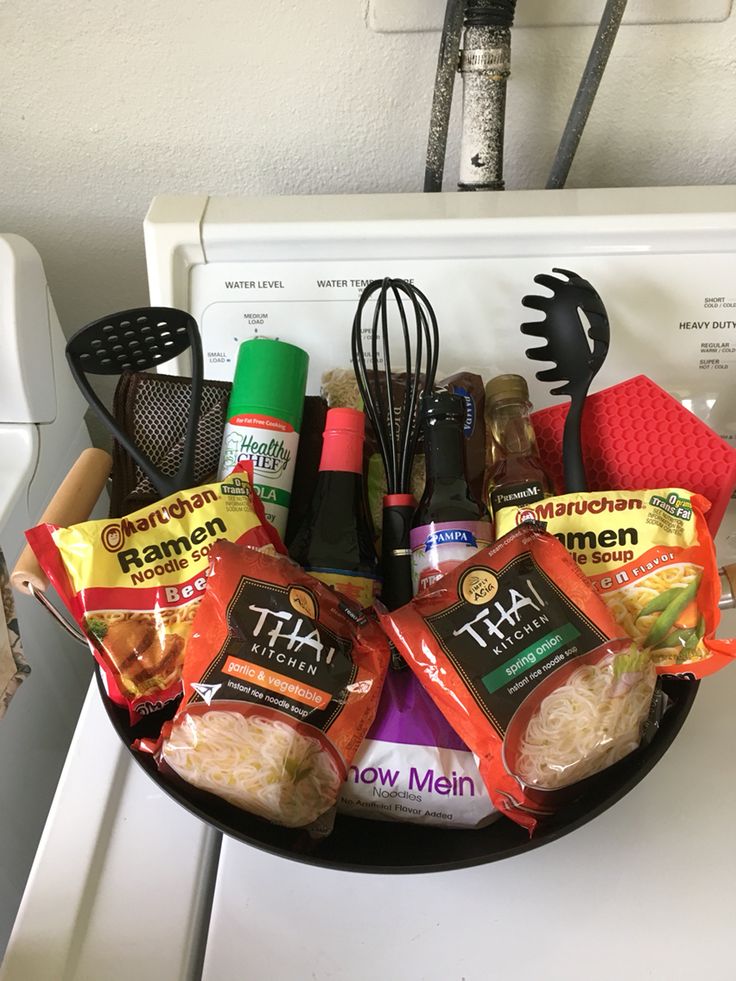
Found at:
<point>133,584</point>
<point>527,664</point>
<point>650,556</point>
<point>281,679</point>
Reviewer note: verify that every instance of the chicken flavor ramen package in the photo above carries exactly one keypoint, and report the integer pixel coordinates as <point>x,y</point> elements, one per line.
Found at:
<point>281,681</point>
<point>524,660</point>
<point>650,556</point>
<point>134,584</point>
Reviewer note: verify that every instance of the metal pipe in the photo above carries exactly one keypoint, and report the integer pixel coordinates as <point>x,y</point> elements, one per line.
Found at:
<point>597,60</point>
<point>444,84</point>
<point>485,65</point>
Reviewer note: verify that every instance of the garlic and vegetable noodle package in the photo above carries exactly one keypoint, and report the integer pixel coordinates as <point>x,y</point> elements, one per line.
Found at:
<point>133,584</point>
<point>281,680</point>
<point>527,664</point>
<point>650,556</point>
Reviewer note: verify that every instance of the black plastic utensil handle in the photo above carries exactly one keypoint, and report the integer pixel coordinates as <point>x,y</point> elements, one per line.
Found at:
<point>138,340</point>
<point>572,448</point>
<point>398,511</point>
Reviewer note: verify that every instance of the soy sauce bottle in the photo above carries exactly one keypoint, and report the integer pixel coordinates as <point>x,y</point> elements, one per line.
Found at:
<point>335,541</point>
<point>449,524</point>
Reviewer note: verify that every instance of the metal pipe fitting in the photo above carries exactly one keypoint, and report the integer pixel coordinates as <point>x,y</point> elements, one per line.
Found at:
<point>485,65</point>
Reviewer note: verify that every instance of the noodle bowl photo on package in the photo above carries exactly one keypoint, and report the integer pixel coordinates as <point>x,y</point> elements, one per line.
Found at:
<point>584,716</point>
<point>639,606</point>
<point>257,759</point>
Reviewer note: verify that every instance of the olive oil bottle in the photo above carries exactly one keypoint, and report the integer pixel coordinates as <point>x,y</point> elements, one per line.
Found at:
<point>514,474</point>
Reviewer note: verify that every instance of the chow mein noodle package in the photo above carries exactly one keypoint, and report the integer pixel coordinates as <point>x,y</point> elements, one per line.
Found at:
<point>412,766</point>
<point>650,556</point>
<point>133,584</point>
<point>526,663</point>
<point>281,678</point>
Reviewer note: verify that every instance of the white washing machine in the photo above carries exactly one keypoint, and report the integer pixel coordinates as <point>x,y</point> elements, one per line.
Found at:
<point>42,431</point>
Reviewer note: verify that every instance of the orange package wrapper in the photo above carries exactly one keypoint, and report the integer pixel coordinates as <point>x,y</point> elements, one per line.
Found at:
<point>528,665</point>
<point>281,679</point>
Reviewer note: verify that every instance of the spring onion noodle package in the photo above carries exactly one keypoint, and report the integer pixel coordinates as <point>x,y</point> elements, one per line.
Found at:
<point>526,663</point>
<point>281,680</point>
<point>133,584</point>
<point>651,558</point>
<point>412,766</point>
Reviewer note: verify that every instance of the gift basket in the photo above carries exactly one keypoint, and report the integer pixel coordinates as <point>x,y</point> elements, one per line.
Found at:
<point>406,625</point>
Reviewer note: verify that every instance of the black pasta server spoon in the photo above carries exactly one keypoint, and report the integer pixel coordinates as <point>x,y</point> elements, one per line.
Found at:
<point>577,335</point>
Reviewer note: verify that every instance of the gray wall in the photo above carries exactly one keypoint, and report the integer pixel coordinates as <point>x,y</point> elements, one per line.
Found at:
<point>104,105</point>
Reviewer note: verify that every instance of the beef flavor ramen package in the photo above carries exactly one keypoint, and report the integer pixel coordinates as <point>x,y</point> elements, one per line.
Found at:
<point>650,556</point>
<point>281,681</point>
<point>522,658</point>
<point>412,766</point>
<point>133,584</point>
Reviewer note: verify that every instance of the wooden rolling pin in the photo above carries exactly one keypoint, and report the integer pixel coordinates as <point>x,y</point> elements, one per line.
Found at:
<point>73,502</point>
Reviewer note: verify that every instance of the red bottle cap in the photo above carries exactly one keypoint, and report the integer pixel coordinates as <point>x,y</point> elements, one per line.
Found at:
<point>342,442</point>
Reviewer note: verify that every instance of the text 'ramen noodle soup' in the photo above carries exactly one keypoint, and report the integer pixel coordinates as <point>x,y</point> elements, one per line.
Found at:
<point>651,558</point>
<point>133,584</point>
<point>281,682</point>
<point>521,657</point>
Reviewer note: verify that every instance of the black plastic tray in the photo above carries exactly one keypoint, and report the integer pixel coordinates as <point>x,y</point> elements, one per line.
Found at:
<point>357,845</point>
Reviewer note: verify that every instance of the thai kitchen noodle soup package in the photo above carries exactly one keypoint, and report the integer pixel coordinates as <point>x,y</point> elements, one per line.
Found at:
<point>133,584</point>
<point>651,558</point>
<point>412,766</point>
<point>281,681</point>
<point>522,658</point>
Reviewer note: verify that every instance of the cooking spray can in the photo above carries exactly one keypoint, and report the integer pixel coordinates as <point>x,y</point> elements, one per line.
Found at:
<point>264,416</point>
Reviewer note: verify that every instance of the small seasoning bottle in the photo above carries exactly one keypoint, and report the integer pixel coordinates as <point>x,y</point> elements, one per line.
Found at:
<point>514,473</point>
<point>449,524</point>
<point>264,416</point>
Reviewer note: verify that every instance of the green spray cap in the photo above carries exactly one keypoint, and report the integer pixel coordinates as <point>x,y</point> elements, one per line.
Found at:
<point>270,380</point>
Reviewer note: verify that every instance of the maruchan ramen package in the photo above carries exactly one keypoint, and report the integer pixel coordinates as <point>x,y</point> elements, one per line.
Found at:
<point>650,556</point>
<point>133,584</point>
<point>524,661</point>
<point>281,681</point>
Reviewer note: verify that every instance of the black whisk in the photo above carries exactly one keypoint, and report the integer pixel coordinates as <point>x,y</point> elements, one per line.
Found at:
<point>396,426</point>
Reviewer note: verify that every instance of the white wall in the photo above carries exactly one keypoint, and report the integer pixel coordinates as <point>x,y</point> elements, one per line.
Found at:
<point>103,105</point>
